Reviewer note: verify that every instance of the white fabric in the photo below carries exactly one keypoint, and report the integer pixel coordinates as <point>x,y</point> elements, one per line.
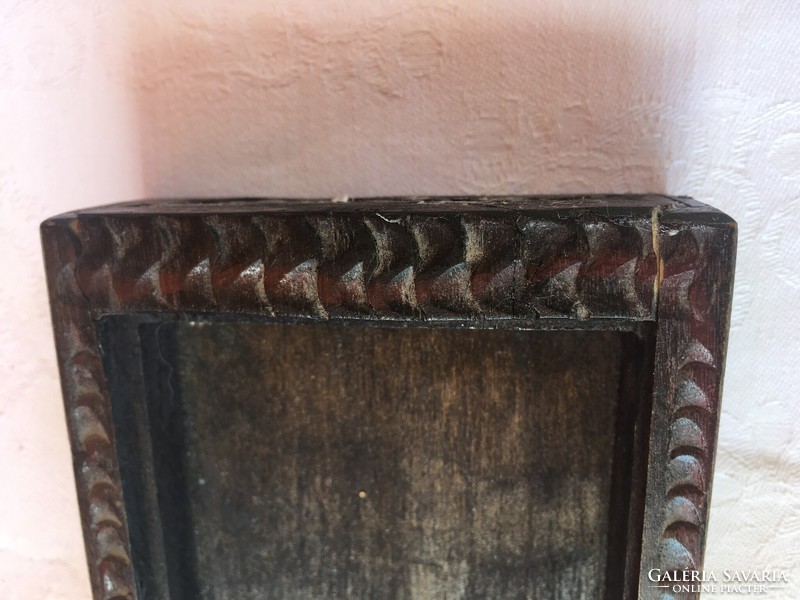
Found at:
<point>104,101</point>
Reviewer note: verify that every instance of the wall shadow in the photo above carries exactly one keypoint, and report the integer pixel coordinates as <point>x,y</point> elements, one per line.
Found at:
<point>425,100</point>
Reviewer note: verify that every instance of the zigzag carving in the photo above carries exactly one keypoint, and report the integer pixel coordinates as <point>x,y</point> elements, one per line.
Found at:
<point>688,463</point>
<point>412,266</point>
<point>687,471</point>
<point>100,490</point>
<point>409,267</point>
<point>348,265</point>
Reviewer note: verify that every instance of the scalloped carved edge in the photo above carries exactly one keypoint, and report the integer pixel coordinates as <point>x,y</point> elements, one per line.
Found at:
<point>412,267</point>
<point>369,266</point>
<point>693,315</point>
<point>91,432</point>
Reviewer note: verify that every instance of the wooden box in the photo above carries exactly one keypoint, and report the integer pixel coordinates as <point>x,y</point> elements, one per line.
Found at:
<point>393,399</point>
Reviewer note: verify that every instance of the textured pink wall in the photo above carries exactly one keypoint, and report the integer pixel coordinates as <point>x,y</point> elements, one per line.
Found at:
<point>103,101</point>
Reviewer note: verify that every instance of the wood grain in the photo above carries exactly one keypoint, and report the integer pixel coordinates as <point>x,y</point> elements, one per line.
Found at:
<point>657,267</point>
<point>460,464</point>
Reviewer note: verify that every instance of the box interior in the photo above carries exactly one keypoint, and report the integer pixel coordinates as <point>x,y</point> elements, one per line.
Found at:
<point>288,460</point>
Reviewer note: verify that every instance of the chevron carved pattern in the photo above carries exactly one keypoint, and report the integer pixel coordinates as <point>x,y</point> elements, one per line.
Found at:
<point>370,265</point>
<point>91,427</point>
<point>691,309</point>
<point>664,261</point>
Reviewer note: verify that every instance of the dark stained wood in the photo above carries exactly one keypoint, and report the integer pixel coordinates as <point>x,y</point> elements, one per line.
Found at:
<point>698,248</point>
<point>461,463</point>
<point>525,391</point>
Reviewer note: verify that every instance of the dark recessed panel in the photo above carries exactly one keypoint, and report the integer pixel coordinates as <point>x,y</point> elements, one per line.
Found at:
<point>326,462</point>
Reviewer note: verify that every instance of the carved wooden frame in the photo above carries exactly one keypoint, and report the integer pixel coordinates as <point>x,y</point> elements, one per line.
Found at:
<point>446,261</point>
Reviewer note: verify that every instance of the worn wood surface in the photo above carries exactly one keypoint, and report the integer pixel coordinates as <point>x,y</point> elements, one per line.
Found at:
<point>375,260</point>
<point>458,464</point>
<point>596,263</point>
<point>698,253</point>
